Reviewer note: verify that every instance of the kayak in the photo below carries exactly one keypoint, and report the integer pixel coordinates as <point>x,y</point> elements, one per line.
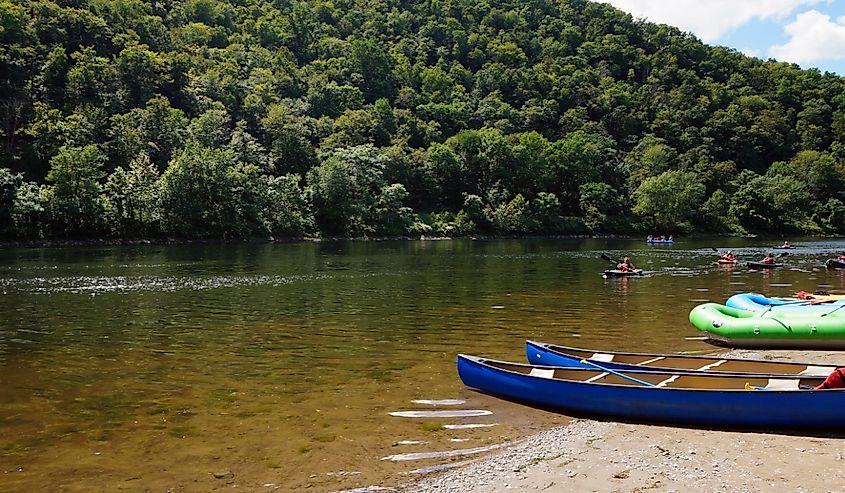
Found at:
<point>732,327</point>
<point>820,295</point>
<point>754,302</point>
<point>762,265</point>
<point>722,261</point>
<point>622,273</point>
<point>541,353</point>
<point>722,401</point>
<point>660,242</point>
<point>781,247</point>
<point>835,264</point>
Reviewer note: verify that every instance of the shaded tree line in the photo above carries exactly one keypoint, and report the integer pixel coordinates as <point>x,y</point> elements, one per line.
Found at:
<point>249,118</point>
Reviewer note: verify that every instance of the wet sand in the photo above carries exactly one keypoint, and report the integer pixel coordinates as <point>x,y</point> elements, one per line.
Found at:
<point>602,456</point>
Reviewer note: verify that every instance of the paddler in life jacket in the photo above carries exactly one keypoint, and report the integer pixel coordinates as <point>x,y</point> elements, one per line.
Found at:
<point>836,380</point>
<point>729,256</point>
<point>768,259</point>
<point>626,265</point>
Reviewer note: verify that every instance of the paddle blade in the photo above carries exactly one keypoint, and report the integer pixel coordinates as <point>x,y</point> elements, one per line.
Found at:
<point>748,386</point>
<point>607,257</point>
<point>781,255</point>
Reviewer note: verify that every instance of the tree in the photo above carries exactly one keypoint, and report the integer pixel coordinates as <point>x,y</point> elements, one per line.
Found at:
<point>599,203</point>
<point>196,194</point>
<point>133,197</point>
<point>75,203</point>
<point>9,183</point>
<point>344,187</point>
<point>670,199</point>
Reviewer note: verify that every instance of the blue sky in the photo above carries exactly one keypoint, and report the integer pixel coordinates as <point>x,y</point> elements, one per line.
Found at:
<point>810,33</point>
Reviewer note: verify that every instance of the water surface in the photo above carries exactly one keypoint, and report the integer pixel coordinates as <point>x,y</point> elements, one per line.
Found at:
<point>200,368</point>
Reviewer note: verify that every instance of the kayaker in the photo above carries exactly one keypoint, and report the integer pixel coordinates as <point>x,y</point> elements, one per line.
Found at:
<point>728,256</point>
<point>626,265</point>
<point>786,244</point>
<point>768,259</point>
<point>841,257</point>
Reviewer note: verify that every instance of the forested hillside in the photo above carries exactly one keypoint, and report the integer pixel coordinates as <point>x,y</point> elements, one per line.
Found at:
<point>253,118</point>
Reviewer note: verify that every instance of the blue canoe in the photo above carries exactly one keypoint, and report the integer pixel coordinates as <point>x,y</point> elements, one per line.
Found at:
<point>717,401</point>
<point>541,353</point>
<point>660,242</point>
<point>754,302</point>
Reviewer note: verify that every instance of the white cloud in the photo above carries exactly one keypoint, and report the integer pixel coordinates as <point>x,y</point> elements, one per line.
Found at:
<point>709,19</point>
<point>750,52</point>
<point>812,36</point>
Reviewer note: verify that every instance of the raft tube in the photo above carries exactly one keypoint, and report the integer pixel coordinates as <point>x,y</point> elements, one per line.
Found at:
<point>730,327</point>
<point>754,302</point>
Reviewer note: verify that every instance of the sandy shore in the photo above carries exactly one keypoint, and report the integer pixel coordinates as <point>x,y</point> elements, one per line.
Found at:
<point>599,456</point>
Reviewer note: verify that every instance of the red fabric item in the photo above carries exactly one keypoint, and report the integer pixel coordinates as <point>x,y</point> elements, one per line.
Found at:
<point>836,380</point>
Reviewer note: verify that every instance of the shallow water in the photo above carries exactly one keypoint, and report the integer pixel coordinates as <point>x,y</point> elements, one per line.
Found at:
<point>198,368</point>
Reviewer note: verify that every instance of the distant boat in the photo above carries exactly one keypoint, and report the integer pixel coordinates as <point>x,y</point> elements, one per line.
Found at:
<point>656,241</point>
<point>710,401</point>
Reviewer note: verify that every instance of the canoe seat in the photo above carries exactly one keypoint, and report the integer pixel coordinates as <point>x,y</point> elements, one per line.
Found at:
<point>602,357</point>
<point>786,384</point>
<point>542,373</point>
<point>818,371</point>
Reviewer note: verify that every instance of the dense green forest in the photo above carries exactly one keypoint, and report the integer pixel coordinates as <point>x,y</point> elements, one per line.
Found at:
<point>290,118</point>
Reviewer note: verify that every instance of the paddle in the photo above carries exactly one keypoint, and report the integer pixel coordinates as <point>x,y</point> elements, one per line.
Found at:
<point>837,308</point>
<point>614,372</point>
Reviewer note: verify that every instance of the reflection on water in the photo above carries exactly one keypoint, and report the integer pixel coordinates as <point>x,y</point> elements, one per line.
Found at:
<point>194,368</point>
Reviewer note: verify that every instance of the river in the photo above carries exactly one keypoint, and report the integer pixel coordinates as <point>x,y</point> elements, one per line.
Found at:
<point>268,367</point>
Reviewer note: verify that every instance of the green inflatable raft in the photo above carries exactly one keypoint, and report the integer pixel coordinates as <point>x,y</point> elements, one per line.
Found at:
<point>731,327</point>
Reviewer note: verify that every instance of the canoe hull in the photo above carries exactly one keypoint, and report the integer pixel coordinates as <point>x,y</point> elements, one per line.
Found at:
<point>539,353</point>
<point>761,410</point>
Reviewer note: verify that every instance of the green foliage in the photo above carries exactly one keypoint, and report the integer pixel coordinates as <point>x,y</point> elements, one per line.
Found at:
<point>670,199</point>
<point>9,184</point>
<point>75,203</point>
<point>133,196</point>
<point>197,195</point>
<point>285,212</point>
<point>599,203</point>
<point>355,118</point>
<point>344,189</point>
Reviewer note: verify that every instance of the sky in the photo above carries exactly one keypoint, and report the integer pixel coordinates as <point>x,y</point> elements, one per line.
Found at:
<point>810,33</point>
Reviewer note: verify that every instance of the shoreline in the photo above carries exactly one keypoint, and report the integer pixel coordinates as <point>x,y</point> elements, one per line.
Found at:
<point>608,456</point>
<point>98,242</point>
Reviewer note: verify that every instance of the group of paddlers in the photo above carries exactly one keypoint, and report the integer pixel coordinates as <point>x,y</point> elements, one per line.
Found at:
<point>730,257</point>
